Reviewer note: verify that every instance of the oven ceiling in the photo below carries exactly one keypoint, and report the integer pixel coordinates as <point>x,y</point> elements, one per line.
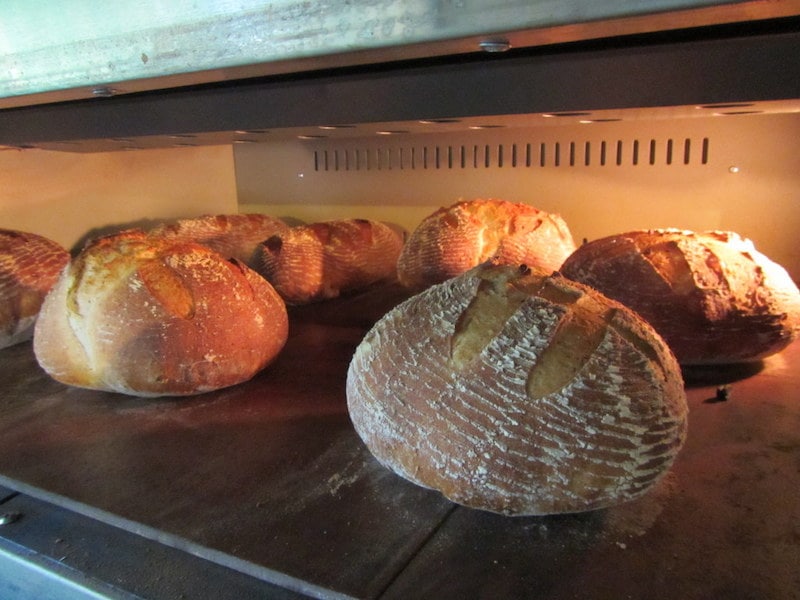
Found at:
<point>91,48</point>
<point>690,76</point>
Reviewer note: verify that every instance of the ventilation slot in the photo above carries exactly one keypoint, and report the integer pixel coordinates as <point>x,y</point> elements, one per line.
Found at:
<point>529,155</point>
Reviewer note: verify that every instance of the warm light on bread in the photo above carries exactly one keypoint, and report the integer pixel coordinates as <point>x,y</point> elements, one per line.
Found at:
<point>323,260</point>
<point>152,317</point>
<point>711,295</point>
<point>520,393</point>
<point>456,238</point>
<point>29,266</point>
<point>233,236</point>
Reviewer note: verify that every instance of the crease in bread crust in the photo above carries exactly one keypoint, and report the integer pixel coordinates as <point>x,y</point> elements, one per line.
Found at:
<point>576,339</point>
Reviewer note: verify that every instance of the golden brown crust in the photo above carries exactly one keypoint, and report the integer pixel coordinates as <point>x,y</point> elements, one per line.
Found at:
<point>520,393</point>
<point>151,317</point>
<point>233,236</point>
<point>29,266</point>
<point>711,295</point>
<point>323,260</point>
<point>456,238</point>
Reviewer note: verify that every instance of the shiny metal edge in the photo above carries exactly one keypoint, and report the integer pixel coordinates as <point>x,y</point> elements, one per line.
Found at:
<point>101,53</point>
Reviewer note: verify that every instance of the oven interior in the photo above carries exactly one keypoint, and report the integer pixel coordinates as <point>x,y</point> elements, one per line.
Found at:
<point>264,489</point>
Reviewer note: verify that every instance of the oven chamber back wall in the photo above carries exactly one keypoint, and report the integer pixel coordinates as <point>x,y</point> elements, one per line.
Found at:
<point>735,172</point>
<point>740,174</point>
<point>70,197</point>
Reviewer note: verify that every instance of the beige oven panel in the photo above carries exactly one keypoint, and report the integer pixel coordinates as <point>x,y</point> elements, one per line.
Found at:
<point>68,196</point>
<point>735,172</point>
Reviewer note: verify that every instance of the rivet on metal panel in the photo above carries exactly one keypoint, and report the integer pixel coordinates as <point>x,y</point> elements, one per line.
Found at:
<point>104,92</point>
<point>498,45</point>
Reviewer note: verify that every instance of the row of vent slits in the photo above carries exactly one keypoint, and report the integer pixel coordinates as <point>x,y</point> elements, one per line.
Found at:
<point>573,154</point>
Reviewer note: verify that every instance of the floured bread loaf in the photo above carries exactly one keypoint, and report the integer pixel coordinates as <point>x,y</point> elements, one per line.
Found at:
<point>151,317</point>
<point>712,296</point>
<point>315,262</point>
<point>29,266</point>
<point>519,393</point>
<point>233,236</point>
<point>454,239</point>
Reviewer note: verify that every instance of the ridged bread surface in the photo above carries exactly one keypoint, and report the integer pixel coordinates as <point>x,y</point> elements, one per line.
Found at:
<point>233,236</point>
<point>456,238</point>
<point>711,295</point>
<point>518,393</point>
<point>149,317</point>
<point>29,267</point>
<point>319,261</point>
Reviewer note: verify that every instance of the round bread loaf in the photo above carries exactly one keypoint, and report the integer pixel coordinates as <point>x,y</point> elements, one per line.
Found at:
<point>29,266</point>
<point>319,261</point>
<point>233,236</point>
<point>712,296</point>
<point>456,238</point>
<point>520,393</point>
<point>151,317</point>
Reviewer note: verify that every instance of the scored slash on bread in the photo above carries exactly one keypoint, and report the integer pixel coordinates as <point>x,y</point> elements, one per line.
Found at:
<point>519,392</point>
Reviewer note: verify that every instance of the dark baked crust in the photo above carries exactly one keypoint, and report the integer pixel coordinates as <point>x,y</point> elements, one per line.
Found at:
<point>519,393</point>
<point>711,295</point>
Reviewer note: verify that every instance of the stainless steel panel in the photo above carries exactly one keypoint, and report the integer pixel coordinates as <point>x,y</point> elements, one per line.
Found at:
<point>51,553</point>
<point>701,68</point>
<point>91,48</point>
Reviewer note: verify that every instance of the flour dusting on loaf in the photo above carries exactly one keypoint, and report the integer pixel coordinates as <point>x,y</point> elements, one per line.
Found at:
<point>29,267</point>
<point>151,317</point>
<point>711,295</point>
<point>459,237</point>
<point>520,393</point>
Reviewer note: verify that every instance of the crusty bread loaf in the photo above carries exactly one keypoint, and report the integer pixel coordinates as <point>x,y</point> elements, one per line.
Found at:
<point>456,238</point>
<point>233,236</point>
<point>712,296</point>
<point>520,393</point>
<point>319,261</point>
<point>29,266</point>
<point>150,317</point>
